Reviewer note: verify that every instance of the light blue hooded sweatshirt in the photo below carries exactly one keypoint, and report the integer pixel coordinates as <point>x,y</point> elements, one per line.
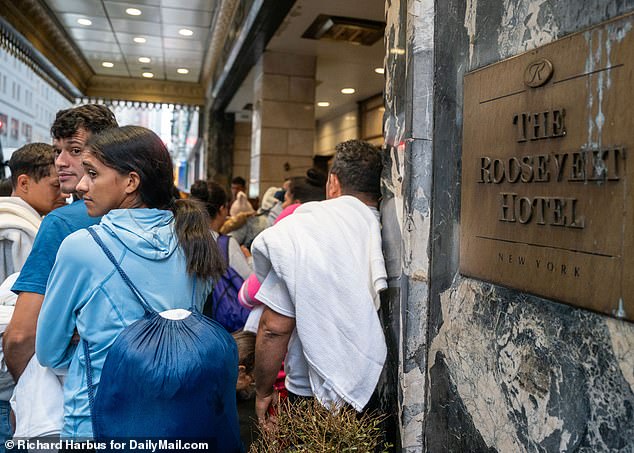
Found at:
<point>84,291</point>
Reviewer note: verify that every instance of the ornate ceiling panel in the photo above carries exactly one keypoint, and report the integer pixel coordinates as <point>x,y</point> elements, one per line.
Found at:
<point>155,54</point>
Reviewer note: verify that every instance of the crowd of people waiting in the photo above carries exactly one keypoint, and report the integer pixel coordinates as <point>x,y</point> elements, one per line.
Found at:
<point>134,313</point>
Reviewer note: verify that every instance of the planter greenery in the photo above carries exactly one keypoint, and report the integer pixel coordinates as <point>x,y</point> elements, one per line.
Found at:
<point>307,426</point>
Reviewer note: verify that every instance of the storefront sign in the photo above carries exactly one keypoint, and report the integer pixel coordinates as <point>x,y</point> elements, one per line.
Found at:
<point>548,171</point>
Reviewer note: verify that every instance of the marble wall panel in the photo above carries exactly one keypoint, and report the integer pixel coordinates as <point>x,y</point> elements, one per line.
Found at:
<point>482,368</point>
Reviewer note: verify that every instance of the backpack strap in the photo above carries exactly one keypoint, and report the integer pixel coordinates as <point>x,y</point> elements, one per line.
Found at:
<point>91,388</point>
<point>144,304</point>
<point>125,277</point>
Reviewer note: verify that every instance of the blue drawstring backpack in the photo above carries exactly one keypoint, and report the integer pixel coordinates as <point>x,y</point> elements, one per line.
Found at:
<point>168,380</point>
<point>222,304</point>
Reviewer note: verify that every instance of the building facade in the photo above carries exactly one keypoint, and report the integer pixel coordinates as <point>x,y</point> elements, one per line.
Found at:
<point>27,103</point>
<point>485,367</point>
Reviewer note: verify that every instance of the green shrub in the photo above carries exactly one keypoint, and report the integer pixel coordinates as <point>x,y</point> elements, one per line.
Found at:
<point>307,426</point>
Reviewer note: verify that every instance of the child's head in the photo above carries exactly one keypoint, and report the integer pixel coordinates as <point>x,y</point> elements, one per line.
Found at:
<point>246,363</point>
<point>34,179</point>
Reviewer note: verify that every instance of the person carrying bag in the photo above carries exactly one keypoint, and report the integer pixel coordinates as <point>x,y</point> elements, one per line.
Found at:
<point>150,366</point>
<point>151,375</point>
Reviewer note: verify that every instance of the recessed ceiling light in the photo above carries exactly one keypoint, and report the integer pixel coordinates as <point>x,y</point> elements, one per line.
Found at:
<point>397,51</point>
<point>182,71</point>
<point>133,11</point>
<point>144,59</point>
<point>323,104</point>
<point>85,22</point>
<point>348,91</point>
<point>379,70</point>
<point>148,75</point>
<point>185,32</point>
<point>140,40</point>
<point>107,64</point>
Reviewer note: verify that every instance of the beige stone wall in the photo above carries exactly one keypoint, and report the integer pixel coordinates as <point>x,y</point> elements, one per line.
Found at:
<point>344,126</point>
<point>372,111</point>
<point>283,129</point>
<point>347,125</point>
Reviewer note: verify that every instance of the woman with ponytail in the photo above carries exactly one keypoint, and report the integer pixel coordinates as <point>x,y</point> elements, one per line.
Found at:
<point>164,246</point>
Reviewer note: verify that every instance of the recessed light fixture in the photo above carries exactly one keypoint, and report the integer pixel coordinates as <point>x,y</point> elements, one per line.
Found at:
<point>185,32</point>
<point>345,29</point>
<point>182,71</point>
<point>148,75</point>
<point>379,70</point>
<point>85,22</point>
<point>144,59</point>
<point>140,40</point>
<point>107,64</point>
<point>133,11</point>
<point>348,91</point>
<point>323,104</point>
<point>397,51</point>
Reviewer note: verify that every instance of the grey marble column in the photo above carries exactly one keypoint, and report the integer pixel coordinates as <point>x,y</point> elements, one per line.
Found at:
<point>220,147</point>
<point>483,368</point>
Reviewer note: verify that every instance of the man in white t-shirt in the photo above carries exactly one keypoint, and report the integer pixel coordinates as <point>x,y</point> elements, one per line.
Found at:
<point>321,271</point>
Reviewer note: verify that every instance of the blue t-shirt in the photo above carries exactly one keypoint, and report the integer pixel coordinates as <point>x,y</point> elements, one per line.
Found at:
<point>54,228</point>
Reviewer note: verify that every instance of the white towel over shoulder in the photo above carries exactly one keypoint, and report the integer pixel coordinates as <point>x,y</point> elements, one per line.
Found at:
<point>329,256</point>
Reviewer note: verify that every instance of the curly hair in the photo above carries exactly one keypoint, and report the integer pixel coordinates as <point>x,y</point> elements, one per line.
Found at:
<point>92,117</point>
<point>311,187</point>
<point>358,166</point>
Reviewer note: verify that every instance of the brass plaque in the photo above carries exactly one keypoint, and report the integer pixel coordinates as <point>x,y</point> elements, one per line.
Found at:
<point>547,203</point>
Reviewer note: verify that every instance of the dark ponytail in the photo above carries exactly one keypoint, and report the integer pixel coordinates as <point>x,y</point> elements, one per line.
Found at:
<point>311,187</point>
<point>212,194</point>
<point>191,224</point>
<point>134,148</point>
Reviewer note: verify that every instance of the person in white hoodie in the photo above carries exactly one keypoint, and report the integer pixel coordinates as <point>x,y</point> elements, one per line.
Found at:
<point>35,193</point>
<point>321,270</point>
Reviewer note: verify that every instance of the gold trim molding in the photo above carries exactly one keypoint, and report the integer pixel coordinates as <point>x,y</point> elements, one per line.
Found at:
<point>38,25</point>
<point>145,90</point>
<point>221,27</point>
